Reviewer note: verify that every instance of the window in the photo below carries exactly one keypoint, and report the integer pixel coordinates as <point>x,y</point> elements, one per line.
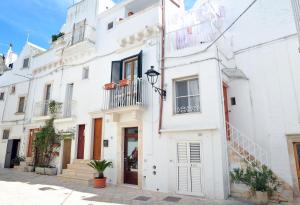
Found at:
<point>233,101</point>
<point>85,73</point>
<point>110,25</point>
<point>78,32</point>
<point>12,89</point>
<point>26,63</point>
<point>2,96</point>
<point>21,105</point>
<point>5,134</point>
<point>187,98</point>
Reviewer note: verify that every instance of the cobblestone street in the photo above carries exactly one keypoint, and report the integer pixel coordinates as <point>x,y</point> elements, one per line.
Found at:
<point>20,188</point>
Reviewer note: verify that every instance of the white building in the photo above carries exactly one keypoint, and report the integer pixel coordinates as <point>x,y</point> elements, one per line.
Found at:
<point>14,88</point>
<point>97,71</point>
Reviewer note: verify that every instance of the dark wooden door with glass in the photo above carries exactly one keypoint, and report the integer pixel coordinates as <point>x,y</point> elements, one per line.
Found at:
<point>80,145</point>
<point>297,158</point>
<point>131,156</point>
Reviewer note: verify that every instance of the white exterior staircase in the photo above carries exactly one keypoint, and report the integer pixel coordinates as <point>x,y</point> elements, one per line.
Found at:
<point>243,149</point>
<point>246,148</point>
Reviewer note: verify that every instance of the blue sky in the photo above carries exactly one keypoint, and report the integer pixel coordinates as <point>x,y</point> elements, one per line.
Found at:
<point>41,18</point>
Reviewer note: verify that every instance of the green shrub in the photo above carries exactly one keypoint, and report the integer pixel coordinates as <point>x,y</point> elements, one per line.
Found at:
<point>257,178</point>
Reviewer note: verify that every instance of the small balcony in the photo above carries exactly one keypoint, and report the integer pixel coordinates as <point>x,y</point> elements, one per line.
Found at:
<point>64,110</point>
<point>83,38</point>
<point>127,95</point>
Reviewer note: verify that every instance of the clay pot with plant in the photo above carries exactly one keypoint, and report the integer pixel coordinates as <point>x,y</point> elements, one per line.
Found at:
<point>100,166</point>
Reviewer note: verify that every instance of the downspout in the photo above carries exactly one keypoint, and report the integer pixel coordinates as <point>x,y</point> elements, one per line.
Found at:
<point>162,82</point>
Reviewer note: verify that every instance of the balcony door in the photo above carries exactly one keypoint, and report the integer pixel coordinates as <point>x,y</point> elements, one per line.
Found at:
<point>131,69</point>
<point>47,99</point>
<point>131,156</point>
<point>68,100</point>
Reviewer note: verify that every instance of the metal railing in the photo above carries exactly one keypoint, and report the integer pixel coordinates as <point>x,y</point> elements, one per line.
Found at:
<point>133,94</point>
<point>84,33</point>
<point>246,147</point>
<point>64,110</point>
<point>191,36</point>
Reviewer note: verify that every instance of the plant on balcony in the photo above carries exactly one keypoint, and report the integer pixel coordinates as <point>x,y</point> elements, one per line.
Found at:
<point>260,179</point>
<point>124,82</point>
<point>100,166</point>
<point>47,143</point>
<point>55,37</point>
<point>109,86</point>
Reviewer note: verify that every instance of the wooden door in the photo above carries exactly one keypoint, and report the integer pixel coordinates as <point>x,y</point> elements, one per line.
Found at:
<point>297,158</point>
<point>131,156</point>
<point>226,109</point>
<point>67,153</point>
<point>97,139</point>
<point>80,145</point>
<point>30,141</point>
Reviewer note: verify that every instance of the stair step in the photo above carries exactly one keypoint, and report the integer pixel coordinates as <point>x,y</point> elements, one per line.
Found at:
<point>84,181</point>
<point>79,174</point>
<point>81,161</point>
<point>82,168</point>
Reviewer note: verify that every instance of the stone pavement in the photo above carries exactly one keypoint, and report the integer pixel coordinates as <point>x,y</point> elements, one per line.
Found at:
<point>20,188</point>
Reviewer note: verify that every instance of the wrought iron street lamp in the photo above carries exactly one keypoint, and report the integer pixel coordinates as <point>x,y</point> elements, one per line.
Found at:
<point>152,76</point>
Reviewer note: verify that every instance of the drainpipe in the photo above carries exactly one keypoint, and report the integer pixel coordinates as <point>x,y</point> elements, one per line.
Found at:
<point>163,11</point>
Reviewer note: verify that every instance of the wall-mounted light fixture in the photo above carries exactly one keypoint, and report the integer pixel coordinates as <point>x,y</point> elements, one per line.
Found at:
<point>152,76</point>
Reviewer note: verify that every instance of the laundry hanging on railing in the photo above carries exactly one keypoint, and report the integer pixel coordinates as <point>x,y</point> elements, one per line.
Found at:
<point>206,12</point>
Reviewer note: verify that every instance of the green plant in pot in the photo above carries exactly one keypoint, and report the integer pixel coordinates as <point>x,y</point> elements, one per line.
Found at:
<point>100,166</point>
<point>260,179</point>
<point>47,143</point>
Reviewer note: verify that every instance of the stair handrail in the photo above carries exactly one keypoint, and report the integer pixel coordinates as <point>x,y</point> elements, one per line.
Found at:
<point>241,143</point>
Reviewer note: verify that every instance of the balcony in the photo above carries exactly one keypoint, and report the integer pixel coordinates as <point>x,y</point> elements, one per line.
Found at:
<point>64,110</point>
<point>123,97</point>
<point>82,39</point>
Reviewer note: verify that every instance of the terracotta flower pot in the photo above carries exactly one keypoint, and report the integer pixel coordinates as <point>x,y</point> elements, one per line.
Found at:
<point>109,86</point>
<point>124,82</point>
<point>100,183</point>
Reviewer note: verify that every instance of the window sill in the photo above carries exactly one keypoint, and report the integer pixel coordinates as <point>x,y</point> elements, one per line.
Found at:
<point>20,113</point>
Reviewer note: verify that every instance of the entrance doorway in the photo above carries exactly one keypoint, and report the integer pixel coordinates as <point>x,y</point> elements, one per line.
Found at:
<point>66,153</point>
<point>81,139</point>
<point>297,158</point>
<point>131,156</point>
<point>97,139</point>
<point>226,109</point>
<point>12,150</point>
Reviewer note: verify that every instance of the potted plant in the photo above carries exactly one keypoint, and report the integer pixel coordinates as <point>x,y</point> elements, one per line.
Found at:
<point>109,86</point>
<point>55,37</point>
<point>260,179</point>
<point>100,166</point>
<point>124,82</point>
<point>47,144</point>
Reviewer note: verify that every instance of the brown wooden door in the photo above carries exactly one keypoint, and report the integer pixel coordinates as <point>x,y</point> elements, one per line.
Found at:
<point>226,109</point>
<point>297,158</point>
<point>80,146</point>
<point>67,153</point>
<point>97,139</point>
<point>131,156</point>
<point>30,141</point>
